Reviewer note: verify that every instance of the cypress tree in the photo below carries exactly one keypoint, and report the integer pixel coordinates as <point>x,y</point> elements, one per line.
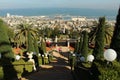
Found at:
<point>81,42</point>
<point>36,46</point>
<point>99,40</point>
<point>115,43</point>
<point>30,43</point>
<point>77,46</point>
<point>85,45</point>
<point>43,46</point>
<point>6,52</point>
<point>35,57</point>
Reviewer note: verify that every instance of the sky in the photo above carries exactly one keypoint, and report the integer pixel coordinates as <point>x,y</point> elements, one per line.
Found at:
<point>91,4</point>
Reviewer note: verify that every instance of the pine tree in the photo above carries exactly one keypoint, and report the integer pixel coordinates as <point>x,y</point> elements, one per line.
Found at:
<point>85,45</point>
<point>6,52</point>
<point>99,40</point>
<point>115,43</point>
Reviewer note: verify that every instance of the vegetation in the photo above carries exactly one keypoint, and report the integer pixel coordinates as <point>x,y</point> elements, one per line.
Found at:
<point>99,40</point>
<point>108,33</point>
<point>74,34</point>
<point>43,46</point>
<point>30,47</point>
<point>116,36</point>
<point>6,52</point>
<point>28,36</point>
<point>108,71</point>
<point>11,35</point>
<point>81,42</point>
<point>36,46</point>
<point>77,46</point>
<point>21,38</point>
<point>84,50</point>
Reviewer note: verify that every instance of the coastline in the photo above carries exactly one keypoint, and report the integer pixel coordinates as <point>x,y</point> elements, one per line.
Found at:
<point>64,12</point>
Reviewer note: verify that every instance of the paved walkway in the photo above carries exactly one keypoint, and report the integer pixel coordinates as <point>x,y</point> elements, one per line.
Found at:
<point>58,69</point>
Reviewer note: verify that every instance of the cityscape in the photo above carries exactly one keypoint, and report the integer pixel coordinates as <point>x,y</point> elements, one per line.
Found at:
<point>74,22</point>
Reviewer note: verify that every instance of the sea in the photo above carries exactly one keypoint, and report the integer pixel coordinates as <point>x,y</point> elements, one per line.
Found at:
<point>66,12</point>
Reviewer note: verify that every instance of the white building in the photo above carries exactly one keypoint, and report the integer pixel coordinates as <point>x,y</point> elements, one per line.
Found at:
<point>8,15</point>
<point>79,18</point>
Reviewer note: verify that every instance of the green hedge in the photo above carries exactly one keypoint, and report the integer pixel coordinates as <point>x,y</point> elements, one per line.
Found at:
<point>109,71</point>
<point>19,66</point>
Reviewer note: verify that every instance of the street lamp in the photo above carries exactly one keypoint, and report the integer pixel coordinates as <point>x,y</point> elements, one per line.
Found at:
<point>110,55</point>
<point>90,58</point>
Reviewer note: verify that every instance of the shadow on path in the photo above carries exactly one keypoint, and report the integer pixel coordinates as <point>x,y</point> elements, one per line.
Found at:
<point>58,69</point>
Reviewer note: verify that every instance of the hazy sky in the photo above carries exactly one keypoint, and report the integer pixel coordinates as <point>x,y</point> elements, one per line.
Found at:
<point>93,4</point>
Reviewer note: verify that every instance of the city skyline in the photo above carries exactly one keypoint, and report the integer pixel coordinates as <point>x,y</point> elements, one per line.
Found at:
<point>92,4</point>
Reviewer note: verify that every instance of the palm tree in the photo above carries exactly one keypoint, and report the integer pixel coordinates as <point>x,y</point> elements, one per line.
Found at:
<point>21,37</point>
<point>108,34</point>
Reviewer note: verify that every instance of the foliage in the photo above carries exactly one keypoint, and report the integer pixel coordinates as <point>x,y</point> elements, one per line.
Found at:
<point>99,40</point>
<point>55,32</point>
<point>6,52</point>
<point>86,65</point>
<point>77,46</point>
<point>81,42</point>
<point>84,50</point>
<point>21,64</point>
<point>5,48</point>
<point>21,37</point>
<point>116,36</point>
<point>10,33</point>
<point>109,71</point>
<point>74,34</point>
<point>108,74</point>
<point>45,32</point>
<point>36,46</point>
<point>43,46</point>
<point>1,73</point>
<point>108,33</point>
<point>30,43</point>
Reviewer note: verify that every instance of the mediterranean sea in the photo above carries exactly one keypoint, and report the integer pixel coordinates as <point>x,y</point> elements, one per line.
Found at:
<point>89,13</point>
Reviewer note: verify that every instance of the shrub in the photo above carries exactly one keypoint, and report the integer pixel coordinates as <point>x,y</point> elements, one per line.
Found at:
<point>108,71</point>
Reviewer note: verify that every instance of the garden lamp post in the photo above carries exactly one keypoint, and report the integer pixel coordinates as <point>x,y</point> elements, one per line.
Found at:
<point>17,57</point>
<point>82,59</point>
<point>110,55</point>
<point>90,58</point>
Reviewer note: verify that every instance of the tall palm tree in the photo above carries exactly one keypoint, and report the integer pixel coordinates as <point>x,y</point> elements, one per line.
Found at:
<point>21,37</point>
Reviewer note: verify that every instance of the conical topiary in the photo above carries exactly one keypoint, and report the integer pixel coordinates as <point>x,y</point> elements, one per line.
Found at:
<point>99,40</point>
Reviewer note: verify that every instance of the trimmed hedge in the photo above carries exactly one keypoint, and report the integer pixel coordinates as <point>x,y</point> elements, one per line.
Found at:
<point>22,68</point>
